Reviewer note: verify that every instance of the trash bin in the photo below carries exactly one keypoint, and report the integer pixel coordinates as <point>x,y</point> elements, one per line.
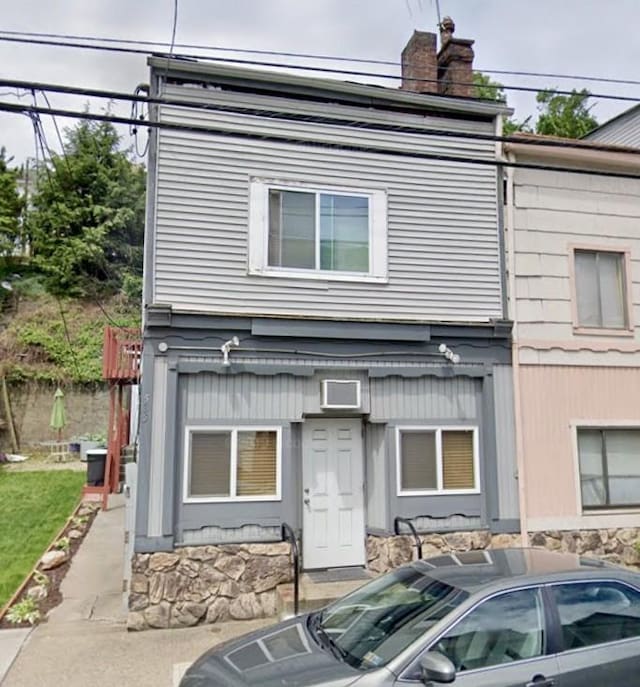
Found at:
<point>96,462</point>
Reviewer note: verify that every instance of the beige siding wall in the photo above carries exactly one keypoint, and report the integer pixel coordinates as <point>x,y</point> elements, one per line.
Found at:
<point>556,400</point>
<point>554,211</point>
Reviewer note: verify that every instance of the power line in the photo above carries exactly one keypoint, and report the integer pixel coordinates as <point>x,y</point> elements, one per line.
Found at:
<point>298,117</point>
<point>300,55</point>
<point>308,68</point>
<point>310,143</point>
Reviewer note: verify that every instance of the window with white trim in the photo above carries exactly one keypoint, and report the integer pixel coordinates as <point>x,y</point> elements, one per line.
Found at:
<point>324,233</point>
<point>437,460</point>
<point>600,285</point>
<point>609,460</point>
<point>239,464</point>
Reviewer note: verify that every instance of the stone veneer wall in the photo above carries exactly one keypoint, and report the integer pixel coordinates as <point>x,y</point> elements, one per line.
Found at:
<point>198,584</point>
<point>207,584</point>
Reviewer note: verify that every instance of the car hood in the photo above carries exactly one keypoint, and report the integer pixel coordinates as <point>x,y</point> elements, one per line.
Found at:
<point>285,655</point>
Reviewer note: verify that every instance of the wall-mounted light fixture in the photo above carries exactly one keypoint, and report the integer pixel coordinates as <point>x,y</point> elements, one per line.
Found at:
<point>449,354</point>
<point>226,347</point>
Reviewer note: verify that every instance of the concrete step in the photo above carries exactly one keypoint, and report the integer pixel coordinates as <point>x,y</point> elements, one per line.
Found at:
<point>314,594</point>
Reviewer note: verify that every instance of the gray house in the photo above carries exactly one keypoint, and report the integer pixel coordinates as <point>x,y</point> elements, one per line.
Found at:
<point>622,130</point>
<point>325,342</point>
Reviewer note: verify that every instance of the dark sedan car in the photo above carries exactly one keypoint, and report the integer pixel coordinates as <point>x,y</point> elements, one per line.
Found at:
<point>500,618</point>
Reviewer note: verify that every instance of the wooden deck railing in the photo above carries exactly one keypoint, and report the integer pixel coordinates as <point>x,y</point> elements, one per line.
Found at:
<point>122,354</point>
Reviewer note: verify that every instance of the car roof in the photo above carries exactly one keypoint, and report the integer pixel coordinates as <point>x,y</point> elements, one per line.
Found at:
<point>480,570</point>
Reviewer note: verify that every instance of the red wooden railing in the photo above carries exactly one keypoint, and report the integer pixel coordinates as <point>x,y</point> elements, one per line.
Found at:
<point>120,368</point>
<point>121,357</point>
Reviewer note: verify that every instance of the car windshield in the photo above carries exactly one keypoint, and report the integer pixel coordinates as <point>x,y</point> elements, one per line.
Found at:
<point>374,624</point>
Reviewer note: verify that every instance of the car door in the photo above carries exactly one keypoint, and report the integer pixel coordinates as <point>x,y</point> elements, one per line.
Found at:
<point>600,633</point>
<point>501,642</point>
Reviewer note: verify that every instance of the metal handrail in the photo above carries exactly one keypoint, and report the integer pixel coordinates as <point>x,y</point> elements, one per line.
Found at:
<point>413,531</point>
<point>287,533</point>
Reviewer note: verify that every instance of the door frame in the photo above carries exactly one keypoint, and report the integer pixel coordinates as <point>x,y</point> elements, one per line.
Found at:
<point>306,427</point>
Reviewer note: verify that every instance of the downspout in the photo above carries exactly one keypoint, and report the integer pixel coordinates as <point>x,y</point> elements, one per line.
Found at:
<point>510,238</point>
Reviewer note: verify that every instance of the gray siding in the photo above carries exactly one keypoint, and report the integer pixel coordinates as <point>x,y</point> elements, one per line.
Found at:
<point>506,443</point>
<point>376,477</point>
<point>455,398</point>
<point>622,131</point>
<point>443,251</point>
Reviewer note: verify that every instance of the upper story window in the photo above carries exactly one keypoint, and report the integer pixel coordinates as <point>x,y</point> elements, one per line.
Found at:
<point>601,289</point>
<point>609,462</point>
<point>298,231</point>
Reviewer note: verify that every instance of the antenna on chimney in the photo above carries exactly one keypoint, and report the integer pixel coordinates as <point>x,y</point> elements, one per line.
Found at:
<point>438,12</point>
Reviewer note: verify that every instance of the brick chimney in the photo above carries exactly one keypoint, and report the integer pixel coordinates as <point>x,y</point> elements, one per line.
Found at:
<point>420,61</point>
<point>425,70</point>
<point>455,63</point>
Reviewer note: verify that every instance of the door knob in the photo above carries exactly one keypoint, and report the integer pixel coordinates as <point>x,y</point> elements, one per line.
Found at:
<point>306,490</point>
<point>307,501</point>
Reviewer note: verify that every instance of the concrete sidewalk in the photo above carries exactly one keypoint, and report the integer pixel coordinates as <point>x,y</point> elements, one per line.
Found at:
<point>85,641</point>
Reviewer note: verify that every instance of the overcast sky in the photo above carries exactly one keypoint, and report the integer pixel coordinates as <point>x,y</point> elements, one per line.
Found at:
<point>577,37</point>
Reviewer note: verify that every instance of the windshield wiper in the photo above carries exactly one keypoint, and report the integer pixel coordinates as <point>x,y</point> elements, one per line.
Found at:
<point>325,638</point>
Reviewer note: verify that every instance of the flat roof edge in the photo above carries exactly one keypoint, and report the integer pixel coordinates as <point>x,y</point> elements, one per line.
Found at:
<point>183,68</point>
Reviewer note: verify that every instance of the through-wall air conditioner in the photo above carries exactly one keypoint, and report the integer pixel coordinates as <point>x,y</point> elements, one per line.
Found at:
<point>340,393</point>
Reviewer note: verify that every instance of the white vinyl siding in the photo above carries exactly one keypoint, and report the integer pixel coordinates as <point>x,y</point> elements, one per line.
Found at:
<point>442,242</point>
<point>232,464</point>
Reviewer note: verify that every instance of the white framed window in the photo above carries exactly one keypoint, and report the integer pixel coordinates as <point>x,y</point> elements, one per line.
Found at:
<point>601,289</point>
<point>437,460</point>
<point>317,233</point>
<point>232,464</point>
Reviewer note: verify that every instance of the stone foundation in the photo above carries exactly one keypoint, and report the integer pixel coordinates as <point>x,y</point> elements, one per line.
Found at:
<point>619,546</point>
<point>207,584</point>
<point>386,553</point>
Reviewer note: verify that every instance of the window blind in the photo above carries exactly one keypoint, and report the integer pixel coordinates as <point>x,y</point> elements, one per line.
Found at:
<point>457,460</point>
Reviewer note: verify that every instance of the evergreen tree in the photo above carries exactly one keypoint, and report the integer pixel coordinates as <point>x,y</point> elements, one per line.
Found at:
<point>87,221</point>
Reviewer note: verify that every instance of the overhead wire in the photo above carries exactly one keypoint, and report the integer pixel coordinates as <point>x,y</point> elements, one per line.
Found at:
<point>322,144</point>
<point>302,55</point>
<point>299,117</point>
<point>309,68</point>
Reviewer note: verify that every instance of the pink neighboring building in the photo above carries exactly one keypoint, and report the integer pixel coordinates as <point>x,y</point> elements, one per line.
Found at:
<point>573,271</point>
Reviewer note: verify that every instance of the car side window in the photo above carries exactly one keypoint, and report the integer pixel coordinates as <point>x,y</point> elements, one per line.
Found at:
<point>597,612</point>
<point>503,629</point>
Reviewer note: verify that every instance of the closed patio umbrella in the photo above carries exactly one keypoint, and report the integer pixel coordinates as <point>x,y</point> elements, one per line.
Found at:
<point>58,417</point>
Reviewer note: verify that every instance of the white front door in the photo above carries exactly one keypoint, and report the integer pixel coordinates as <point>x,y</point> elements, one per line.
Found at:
<point>333,493</point>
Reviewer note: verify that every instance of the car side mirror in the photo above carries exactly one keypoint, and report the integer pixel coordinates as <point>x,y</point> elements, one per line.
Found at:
<point>436,667</point>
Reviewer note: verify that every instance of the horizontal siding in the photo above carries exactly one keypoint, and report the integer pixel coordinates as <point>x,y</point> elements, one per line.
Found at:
<point>453,522</point>
<point>552,213</point>
<point>443,248</point>
<point>624,131</point>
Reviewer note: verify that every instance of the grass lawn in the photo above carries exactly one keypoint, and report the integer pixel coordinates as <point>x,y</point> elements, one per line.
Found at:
<point>33,508</point>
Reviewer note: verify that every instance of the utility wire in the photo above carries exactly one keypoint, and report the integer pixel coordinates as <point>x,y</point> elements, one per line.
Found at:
<point>308,68</point>
<point>310,143</point>
<point>306,56</point>
<point>296,117</point>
